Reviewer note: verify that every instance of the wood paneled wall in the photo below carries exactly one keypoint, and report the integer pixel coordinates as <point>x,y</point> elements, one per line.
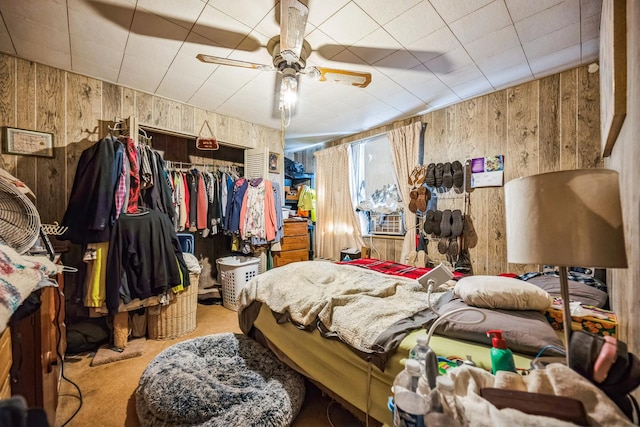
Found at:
<point>545,125</point>
<point>76,109</point>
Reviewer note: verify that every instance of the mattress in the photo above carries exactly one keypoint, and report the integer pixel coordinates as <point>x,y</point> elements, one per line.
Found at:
<point>349,378</point>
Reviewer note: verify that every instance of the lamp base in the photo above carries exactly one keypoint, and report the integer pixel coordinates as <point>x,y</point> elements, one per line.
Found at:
<point>566,311</point>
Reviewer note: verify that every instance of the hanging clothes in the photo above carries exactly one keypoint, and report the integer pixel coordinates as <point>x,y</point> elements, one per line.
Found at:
<point>91,212</point>
<point>144,259</point>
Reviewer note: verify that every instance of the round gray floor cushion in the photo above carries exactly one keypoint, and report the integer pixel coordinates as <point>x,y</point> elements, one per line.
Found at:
<point>218,380</point>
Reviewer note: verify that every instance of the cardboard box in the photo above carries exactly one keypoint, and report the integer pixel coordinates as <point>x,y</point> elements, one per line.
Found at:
<point>592,319</point>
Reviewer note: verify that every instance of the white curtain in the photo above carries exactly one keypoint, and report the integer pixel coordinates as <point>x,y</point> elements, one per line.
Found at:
<point>404,153</point>
<point>337,226</point>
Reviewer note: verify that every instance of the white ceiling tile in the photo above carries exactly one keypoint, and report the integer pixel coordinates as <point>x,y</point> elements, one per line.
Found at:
<point>221,29</point>
<point>555,41</point>
<point>183,16</point>
<point>590,50</point>
<point>520,10</point>
<point>461,75</point>
<point>450,61</point>
<point>434,44</point>
<point>504,59</point>
<point>375,46</point>
<point>493,43</point>
<point>349,25</point>
<point>555,61</point>
<point>453,10</point>
<point>429,91</point>
<point>113,8</point>
<point>415,23</point>
<point>48,14</point>
<point>396,63</point>
<point>383,11</point>
<point>472,88</point>
<point>413,77</point>
<point>590,8</point>
<point>6,45</point>
<point>249,12</point>
<point>317,15</point>
<point>510,76</point>
<point>38,42</point>
<point>548,21</point>
<point>590,28</point>
<point>323,48</point>
<point>145,76</point>
<point>103,70</point>
<point>481,22</point>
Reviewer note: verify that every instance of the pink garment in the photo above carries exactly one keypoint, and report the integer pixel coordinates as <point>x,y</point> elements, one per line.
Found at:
<point>270,224</point>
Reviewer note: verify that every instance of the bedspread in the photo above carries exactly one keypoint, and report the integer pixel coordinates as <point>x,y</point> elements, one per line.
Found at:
<point>369,311</point>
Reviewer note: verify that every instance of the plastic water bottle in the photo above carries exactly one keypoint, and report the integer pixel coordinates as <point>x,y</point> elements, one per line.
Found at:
<point>419,351</point>
<point>409,406</point>
<point>408,377</point>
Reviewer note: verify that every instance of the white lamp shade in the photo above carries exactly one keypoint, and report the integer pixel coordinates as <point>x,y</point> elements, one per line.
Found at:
<point>566,218</point>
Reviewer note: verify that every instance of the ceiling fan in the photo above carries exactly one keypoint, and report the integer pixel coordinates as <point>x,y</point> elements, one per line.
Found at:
<point>290,51</point>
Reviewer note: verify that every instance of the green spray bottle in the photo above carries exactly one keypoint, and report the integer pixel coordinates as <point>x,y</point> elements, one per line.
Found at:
<point>501,356</point>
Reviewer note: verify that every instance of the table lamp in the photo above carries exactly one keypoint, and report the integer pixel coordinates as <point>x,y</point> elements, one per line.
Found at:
<point>565,219</point>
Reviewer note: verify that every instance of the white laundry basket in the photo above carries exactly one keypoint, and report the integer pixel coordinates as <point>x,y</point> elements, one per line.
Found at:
<point>235,272</point>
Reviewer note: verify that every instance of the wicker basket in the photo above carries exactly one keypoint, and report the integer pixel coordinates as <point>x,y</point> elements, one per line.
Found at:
<point>176,318</point>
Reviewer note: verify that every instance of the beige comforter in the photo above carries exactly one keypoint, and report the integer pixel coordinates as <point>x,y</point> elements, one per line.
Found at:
<point>355,304</point>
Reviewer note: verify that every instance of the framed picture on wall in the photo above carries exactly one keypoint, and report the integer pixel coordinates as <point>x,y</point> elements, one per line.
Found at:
<point>613,72</point>
<point>27,142</point>
<point>274,163</point>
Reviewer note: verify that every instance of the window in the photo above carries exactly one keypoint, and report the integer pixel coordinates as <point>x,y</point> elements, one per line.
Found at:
<point>378,199</point>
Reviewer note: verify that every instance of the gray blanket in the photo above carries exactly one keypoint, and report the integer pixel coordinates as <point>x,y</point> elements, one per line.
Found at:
<point>369,311</point>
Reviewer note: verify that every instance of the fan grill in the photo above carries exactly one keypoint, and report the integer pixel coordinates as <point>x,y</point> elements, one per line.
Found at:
<point>19,219</point>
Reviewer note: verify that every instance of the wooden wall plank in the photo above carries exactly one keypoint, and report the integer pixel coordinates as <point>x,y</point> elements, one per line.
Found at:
<point>26,117</point>
<point>479,208</point>
<point>568,119</point>
<point>161,112</point>
<point>111,101</point>
<point>589,148</point>
<point>50,117</point>
<point>84,104</point>
<point>549,123</point>
<point>128,102</point>
<point>187,119</point>
<point>144,108</point>
<point>523,144</point>
<point>496,144</point>
<point>7,105</point>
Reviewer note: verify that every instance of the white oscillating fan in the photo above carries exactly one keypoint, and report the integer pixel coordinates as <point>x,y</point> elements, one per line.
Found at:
<point>19,219</point>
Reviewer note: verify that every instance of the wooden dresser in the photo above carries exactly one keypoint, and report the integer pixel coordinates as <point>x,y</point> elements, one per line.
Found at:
<point>5,364</point>
<point>38,341</point>
<point>295,243</point>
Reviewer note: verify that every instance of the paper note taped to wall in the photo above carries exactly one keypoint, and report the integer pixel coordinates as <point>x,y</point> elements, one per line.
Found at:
<point>487,171</point>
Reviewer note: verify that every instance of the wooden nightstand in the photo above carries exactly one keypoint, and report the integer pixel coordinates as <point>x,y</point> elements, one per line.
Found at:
<point>295,243</point>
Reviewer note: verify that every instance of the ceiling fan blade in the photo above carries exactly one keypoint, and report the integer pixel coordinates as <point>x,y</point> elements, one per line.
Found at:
<point>233,62</point>
<point>293,20</point>
<point>354,78</point>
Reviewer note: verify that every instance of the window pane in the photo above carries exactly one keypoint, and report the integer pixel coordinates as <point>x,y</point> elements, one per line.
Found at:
<point>378,197</point>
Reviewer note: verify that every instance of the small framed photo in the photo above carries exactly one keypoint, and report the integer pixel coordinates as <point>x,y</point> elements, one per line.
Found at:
<point>274,162</point>
<point>27,142</point>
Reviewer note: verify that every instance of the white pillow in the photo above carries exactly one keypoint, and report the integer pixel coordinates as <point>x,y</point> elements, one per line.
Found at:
<point>501,292</point>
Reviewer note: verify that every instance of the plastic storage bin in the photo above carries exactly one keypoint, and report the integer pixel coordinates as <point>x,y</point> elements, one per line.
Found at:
<point>186,242</point>
<point>235,272</point>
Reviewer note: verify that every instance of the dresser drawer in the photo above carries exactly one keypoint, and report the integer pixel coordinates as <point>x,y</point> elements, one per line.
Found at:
<point>5,364</point>
<point>286,257</point>
<point>289,243</point>
<point>295,228</point>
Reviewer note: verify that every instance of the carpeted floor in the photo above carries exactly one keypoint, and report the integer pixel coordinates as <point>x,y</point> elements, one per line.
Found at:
<point>108,389</point>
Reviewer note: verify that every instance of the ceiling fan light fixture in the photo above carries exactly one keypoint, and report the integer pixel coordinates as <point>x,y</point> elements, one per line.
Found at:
<point>288,93</point>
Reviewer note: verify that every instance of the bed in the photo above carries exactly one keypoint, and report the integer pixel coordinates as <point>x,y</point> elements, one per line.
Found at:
<point>347,327</point>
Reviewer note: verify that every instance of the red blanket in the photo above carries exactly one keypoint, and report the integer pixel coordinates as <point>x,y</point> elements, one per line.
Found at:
<point>393,268</point>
